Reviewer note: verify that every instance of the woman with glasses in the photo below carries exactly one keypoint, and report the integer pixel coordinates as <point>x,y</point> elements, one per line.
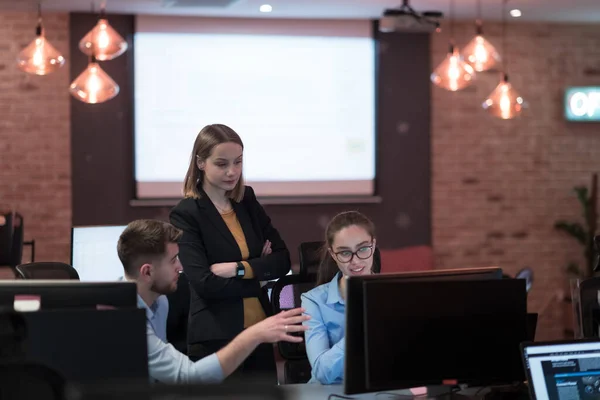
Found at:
<point>349,248</point>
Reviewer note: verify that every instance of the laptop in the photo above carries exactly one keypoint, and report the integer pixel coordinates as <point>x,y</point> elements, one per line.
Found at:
<point>564,370</point>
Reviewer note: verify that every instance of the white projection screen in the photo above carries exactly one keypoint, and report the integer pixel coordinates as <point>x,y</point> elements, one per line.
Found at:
<point>301,94</point>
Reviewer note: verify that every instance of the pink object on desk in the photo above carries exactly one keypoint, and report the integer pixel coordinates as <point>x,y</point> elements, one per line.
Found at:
<point>419,391</point>
<point>416,258</point>
<point>27,302</point>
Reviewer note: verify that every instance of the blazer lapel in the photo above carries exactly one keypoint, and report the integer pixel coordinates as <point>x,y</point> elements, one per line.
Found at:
<point>215,218</point>
<point>252,239</point>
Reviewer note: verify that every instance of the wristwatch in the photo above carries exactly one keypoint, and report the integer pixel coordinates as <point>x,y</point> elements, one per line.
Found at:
<point>240,271</point>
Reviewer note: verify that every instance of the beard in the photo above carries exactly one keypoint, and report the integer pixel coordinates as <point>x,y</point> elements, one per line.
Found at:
<point>164,288</point>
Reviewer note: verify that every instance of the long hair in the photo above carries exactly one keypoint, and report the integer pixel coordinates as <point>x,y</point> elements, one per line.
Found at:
<point>328,267</point>
<point>208,138</point>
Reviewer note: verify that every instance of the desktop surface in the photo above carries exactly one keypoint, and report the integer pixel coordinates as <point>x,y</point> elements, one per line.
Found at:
<point>145,391</point>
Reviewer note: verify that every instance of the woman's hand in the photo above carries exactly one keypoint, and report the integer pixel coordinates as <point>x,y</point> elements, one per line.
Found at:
<point>224,270</point>
<point>266,250</point>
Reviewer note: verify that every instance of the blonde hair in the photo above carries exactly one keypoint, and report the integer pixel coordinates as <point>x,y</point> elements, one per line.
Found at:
<point>208,138</point>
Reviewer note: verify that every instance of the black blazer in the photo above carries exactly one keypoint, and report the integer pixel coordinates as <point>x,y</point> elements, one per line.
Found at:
<point>179,310</point>
<point>216,309</point>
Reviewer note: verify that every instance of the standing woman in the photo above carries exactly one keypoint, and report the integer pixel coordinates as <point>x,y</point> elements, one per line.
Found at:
<point>228,246</point>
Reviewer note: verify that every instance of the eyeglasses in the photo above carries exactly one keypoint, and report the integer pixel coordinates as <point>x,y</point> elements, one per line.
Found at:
<point>345,256</point>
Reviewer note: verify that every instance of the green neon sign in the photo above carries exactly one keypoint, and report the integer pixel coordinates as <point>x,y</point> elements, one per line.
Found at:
<point>582,103</point>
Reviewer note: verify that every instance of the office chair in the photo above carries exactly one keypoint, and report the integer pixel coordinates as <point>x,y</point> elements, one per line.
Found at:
<point>310,254</point>
<point>589,307</point>
<point>527,274</point>
<point>11,240</point>
<point>285,296</point>
<point>46,270</point>
<point>26,380</point>
<point>21,379</point>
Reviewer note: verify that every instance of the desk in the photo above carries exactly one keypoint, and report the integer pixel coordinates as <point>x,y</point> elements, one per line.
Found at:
<point>322,392</point>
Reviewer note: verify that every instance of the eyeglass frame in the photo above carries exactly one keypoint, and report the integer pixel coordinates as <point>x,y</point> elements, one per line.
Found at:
<point>355,253</point>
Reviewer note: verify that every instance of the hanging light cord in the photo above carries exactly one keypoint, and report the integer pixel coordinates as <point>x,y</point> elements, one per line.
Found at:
<point>102,9</point>
<point>451,26</point>
<point>479,21</point>
<point>38,28</point>
<point>504,53</point>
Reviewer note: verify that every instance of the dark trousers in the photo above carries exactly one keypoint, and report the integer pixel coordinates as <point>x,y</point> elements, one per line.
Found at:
<point>259,367</point>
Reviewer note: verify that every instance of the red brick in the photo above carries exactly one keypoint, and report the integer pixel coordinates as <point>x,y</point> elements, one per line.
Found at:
<point>531,163</point>
<point>35,137</point>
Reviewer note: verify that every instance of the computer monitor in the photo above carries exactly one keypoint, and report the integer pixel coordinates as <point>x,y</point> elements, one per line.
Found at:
<point>433,328</point>
<point>86,345</point>
<point>94,252</point>
<point>58,294</point>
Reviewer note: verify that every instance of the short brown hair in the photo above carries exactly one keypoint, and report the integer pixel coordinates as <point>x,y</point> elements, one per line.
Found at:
<point>143,241</point>
<point>208,138</point>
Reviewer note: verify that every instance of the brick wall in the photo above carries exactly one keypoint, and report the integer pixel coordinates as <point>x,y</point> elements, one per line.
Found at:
<point>35,163</point>
<point>498,186</point>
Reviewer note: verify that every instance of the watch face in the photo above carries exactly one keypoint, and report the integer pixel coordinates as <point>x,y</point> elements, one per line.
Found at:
<point>240,272</point>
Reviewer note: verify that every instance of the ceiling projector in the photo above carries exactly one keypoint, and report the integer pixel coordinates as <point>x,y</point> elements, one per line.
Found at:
<point>406,19</point>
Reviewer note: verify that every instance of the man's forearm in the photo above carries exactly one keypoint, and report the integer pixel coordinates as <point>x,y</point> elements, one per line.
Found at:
<point>234,354</point>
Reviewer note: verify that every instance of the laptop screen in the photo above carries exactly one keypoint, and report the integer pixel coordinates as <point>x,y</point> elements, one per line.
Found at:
<point>563,371</point>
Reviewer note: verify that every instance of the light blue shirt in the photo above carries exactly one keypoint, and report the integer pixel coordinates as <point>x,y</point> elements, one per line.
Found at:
<point>165,363</point>
<point>325,337</point>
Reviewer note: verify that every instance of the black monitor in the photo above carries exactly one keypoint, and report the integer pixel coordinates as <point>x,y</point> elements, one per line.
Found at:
<point>23,295</point>
<point>433,328</point>
<point>84,345</point>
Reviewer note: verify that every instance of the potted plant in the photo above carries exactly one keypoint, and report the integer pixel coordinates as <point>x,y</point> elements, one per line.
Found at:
<point>585,234</point>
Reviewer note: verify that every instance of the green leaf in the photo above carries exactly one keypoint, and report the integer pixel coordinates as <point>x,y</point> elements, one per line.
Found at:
<point>574,229</point>
<point>582,196</point>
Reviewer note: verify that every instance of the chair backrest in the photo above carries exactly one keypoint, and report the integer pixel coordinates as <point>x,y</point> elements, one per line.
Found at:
<point>11,239</point>
<point>527,274</point>
<point>310,254</point>
<point>47,270</point>
<point>286,292</point>
<point>589,307</point>
<point>285,295</point>
<point>25,380</point>
<point>21,379</point>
